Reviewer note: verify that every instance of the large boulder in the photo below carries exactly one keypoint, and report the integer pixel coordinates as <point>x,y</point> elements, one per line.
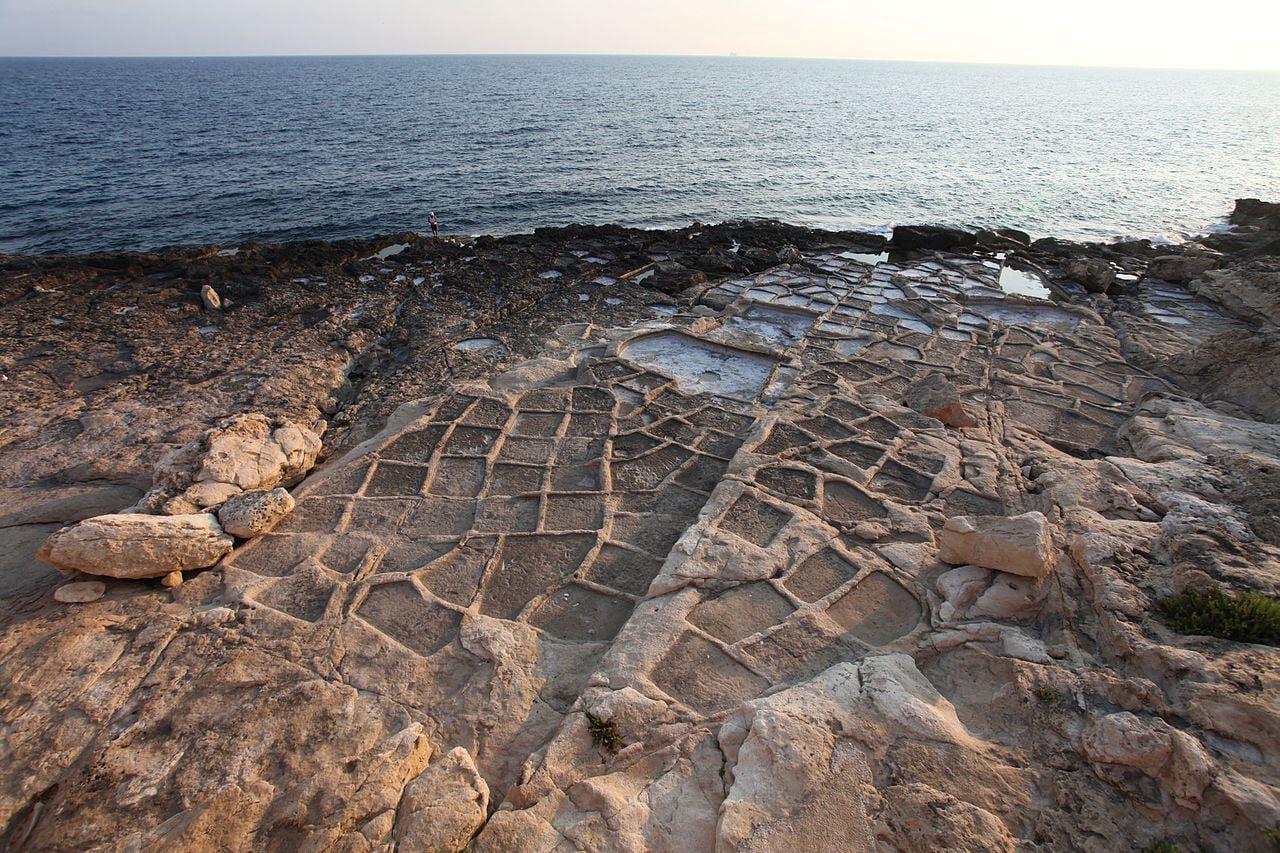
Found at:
<point>1019,544</point>
<point>253,513</point>
<point>935,237</point>
<point>251,454</point>
<point>242,453</point>
<point>1093,274</point>
<point>1181,268</point>
<point>137,546</point>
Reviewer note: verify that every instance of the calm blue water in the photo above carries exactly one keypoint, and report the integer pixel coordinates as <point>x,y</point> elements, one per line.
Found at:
<point>117,154</point>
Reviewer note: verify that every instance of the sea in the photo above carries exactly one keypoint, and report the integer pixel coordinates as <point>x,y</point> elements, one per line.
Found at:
<point>135,154</point>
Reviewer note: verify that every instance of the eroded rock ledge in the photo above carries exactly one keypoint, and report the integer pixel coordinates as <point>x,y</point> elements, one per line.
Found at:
<point>834,548</point>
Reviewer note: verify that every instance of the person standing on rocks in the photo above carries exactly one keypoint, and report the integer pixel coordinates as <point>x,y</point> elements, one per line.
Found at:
<point>434,221</point>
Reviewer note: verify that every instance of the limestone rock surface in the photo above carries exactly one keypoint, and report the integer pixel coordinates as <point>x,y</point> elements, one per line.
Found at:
<point>617,598</point>
<point>444,807</point>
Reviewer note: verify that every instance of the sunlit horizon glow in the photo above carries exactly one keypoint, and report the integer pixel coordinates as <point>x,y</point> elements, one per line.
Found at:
<point>1174,34</point>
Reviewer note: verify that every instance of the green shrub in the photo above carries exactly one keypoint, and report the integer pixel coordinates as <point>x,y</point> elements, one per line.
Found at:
<point>1161,847</point>
<point>604,733</point>
<point>1245,617</point>
<point>1047,694</point>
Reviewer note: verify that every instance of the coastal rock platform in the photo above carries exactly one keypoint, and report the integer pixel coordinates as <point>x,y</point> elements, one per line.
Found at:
<point>691,570</point>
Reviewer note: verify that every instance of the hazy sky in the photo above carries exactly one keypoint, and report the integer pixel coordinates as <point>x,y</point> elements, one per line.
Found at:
<point>1175,33</point>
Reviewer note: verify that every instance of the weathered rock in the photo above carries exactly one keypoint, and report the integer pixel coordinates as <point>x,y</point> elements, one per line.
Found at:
<point>1181,268</point>
<point>81,592</point>
<point>937,397</point>
<point>794,773</point>
<point>1124,739</point>
<point>208,494</point>
<point>137,546</point>
<point>172,580</point>
<point>1019,545</point>
<point>444,806</point>
<point>210,298</point>
<point>1096,276</point>
<point>250,452</point>
<point>934,237</point>
<point>1173,758</point>
<point>1251,292</point>
<point>253,513</point>
<point>789,254</point>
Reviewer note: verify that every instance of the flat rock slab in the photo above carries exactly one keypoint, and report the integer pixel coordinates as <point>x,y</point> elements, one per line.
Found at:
<point>80,593</point>
<point>137,546</point>
<point>1019,545</point>
<point>701,366</point>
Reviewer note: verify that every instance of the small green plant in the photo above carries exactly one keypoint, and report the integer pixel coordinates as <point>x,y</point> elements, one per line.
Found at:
<point>1046,694</point>
<point>1273,835</point>
<point>604,733</point>
<point>1246,617</point>
<point>1161,847</point>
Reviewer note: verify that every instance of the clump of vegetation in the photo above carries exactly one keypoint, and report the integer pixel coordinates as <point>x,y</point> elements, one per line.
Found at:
<point>604,733</point>
<point>1273,835</point>
<point>1046,694</point>
<point>1162,847</point>
<point>1246,617</point>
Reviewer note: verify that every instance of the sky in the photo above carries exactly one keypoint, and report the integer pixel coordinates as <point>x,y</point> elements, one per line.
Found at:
<point>1241,34</point>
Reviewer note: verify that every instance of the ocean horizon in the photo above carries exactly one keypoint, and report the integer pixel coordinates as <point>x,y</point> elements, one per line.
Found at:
<point>134,153</point>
